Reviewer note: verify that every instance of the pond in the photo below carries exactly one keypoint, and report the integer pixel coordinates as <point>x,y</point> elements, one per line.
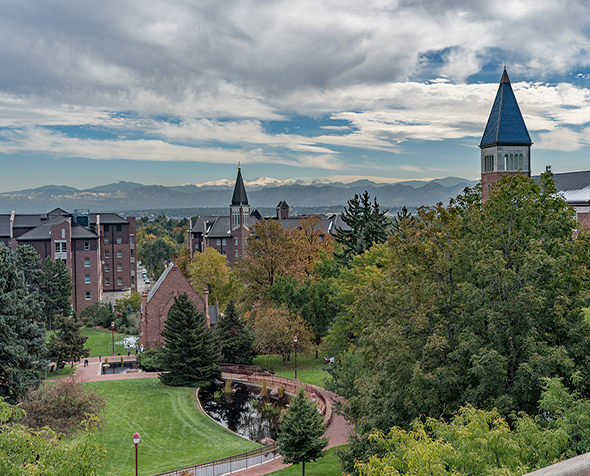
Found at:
<point>244,411</point>
<point>115,368</point>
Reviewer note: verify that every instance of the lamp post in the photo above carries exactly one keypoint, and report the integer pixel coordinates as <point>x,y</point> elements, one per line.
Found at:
<point>113,329</point>
<point>136,438</point>
<point>295,341</point>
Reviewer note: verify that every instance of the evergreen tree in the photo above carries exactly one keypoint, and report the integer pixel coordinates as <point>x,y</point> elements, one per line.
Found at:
<point>66,344</point>
<point>237,342</point>
<point>191,355</point>
<point>55,290</point>
<point>22,339</point>
<point>300,437</point>
<point>367,225</point>
<point>29,262</point>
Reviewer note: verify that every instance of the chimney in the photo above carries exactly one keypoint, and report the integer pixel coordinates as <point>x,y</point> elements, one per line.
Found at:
<point>206,299</point>
<point>548,168</point>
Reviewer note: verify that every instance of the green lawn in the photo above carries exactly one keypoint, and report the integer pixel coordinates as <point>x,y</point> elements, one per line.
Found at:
<point>329,465</point>
<point>174,433</point>
<point>66,372</point>
<point>100,342</point>
<point>309,369</point>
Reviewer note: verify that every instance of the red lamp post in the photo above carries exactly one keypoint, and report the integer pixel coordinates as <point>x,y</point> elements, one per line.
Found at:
<point>113,329</point>
<point>136,438</point>
<point>295,341</point>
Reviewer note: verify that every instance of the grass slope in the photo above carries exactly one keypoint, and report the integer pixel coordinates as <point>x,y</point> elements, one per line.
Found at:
<point>309,369</point>
<point>329,465</point>
<point>174,433</point>
<point>100,342</point>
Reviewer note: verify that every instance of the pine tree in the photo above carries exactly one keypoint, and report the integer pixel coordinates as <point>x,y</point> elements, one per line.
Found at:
<point>237,342</point>
<point>66,344</point>
<point>22,339</point>
<point>367,225</point>
<point>55,290</point>
<point>29,262</point>
<point>191,355</point>
<point>300,437</point>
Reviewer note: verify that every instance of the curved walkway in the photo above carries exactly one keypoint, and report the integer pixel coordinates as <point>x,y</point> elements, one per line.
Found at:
<point>337,430</point>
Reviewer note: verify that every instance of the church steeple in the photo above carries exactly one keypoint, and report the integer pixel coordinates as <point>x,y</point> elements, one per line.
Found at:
<point>239,197</point>
<point>506,143</point>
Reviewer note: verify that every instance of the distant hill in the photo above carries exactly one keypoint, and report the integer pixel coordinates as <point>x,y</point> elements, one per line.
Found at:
<point>264,193</point>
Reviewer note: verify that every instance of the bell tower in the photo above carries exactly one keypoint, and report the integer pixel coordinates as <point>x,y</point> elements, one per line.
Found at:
<point>506,143</point>
<point>240,214</point>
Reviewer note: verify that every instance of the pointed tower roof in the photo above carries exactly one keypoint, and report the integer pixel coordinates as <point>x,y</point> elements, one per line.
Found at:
<point>505,124</point>
<point>240,197</point>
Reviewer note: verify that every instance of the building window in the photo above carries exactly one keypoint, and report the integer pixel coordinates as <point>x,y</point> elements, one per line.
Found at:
<point>107,228</point>
<point>120,282</point>
<point>131,239</point>
<point>236,243</point>
<point>224,253</point>
<point>119,267</point>
<point>118,227</point>
<point>132,280</point>
<point>107,254</point>
<point>107,281</point>
<point>119,240</point>
<point>119,254</point>
<point>218,242</point>
<point>224,242</point>
<point>86,245</point>
<point>60,246</point>
<point>88,295</point>
<point>106,240</point>
<point>87,262</point>
<point>107,268</point>
<point>236,253</point>
<point>132,253</point>
<point>87,279</point>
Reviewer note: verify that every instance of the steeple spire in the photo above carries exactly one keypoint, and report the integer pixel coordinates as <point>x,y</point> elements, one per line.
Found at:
<point>239,197</point>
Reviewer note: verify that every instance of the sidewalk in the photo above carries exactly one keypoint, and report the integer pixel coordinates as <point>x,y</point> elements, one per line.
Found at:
<point>92,372</point>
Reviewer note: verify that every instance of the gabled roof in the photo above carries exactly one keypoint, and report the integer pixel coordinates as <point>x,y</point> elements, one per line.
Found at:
<point>42,232</point>
<point>574,186</point>
<point>505,124</point>
<point>239,197</point>
<point>159,281</point>
<point>107,219</point>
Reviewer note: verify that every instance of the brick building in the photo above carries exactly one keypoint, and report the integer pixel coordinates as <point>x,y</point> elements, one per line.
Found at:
<point>156,304</point>
<point>98,249</point>
<point>229,234</point>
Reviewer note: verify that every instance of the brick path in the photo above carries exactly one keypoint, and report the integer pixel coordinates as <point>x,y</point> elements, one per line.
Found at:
<point>337,430</point>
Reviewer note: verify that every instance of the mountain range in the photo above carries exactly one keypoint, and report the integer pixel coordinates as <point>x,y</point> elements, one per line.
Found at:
<point>262,192</point>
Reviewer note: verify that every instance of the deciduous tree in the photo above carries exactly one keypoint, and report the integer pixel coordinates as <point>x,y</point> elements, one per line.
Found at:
<point>66,343</point>
<point>208,270</point>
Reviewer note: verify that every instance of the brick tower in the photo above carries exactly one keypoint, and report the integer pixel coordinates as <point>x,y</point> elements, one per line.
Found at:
<point>506,143</point>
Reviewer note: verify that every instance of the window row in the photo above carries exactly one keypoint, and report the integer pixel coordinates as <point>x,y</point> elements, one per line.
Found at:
<point>119,240</point>
<point>513,162</point>
<point>107,268</point>
<point>224,242</point>
<point>107,254</point>
<point>107,281</point>
<point>117,227</point>
<point>488,163</point>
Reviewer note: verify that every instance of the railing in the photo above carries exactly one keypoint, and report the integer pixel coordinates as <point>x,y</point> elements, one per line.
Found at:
<point>229,464</point>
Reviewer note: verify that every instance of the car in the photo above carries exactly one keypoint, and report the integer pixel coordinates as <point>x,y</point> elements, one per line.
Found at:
<point>147,280</point>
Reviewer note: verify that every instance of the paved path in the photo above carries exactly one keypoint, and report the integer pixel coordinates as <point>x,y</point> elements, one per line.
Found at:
<point>337,430</point>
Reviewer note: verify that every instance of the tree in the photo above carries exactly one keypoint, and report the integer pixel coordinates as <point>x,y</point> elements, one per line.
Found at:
<point>154,251</point>
<point>367,225</point>
<point>301,428</point>
<point>22,336</point>
<point>208,270</point>
<point>311,242</point>
<point>237,342</point>
<point>274,329</point>
<point>130,299</point>
<point>62,406</point>
<point>45,453</point>
<point>55,290</point>
<point>270,253</point>
<point>470,304</point>
<point>191,355</point>
<point>98,314</point>
<point>66,344</point>
<point>29,262</point>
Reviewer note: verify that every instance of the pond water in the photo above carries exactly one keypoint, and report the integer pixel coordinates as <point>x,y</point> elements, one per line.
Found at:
<point>244,411</point>
<point>115,368</point>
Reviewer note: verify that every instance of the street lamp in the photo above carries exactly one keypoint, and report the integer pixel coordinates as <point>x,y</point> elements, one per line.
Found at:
<point>136,438</point>
<point>295,340</point>
<point>113,329</point>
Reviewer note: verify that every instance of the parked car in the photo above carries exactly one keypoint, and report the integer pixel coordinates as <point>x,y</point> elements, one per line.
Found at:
<point>147,280</point>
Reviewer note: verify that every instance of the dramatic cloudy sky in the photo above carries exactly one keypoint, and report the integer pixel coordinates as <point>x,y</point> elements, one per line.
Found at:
<point>181,91</point>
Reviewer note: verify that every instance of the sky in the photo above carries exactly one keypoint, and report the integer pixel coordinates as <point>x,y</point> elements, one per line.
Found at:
<point>181,92</point>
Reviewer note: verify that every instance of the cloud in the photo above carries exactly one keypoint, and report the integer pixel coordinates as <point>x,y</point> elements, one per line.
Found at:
<point>561,139</point>
<point>411,168</point>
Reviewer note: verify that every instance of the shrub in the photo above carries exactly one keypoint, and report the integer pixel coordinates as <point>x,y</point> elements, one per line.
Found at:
<point>150,360</point>
<point>61,406</point>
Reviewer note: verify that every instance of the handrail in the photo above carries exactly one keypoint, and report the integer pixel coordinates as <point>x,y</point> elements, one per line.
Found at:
<point>265,451</point>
